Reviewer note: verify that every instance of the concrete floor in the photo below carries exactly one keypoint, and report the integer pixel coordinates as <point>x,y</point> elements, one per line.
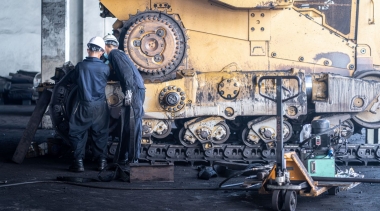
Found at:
<point>54,196</point>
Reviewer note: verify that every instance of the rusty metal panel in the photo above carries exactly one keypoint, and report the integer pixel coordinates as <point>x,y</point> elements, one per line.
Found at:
<point>210,18</point>
<point>121,9</point>
<point>159,172</point>
<point>210,53</point>
<point>306,41</point>
<point>368,16</point>
<point>240,4</point>
<point>259,24</point>
<point>340,15</point>
<point>351,95</point>
<point>206,96</point>
<point>259,48</point>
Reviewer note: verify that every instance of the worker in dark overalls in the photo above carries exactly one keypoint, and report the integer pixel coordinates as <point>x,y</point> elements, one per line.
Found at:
<point>133,87</point>
<point>91,113</point>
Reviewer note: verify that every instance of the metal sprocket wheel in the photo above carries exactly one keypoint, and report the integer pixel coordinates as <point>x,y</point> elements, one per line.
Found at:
<point>226,136</point>
<point>247,142</point>
<point>165,133</point>
<point>156,42</point>
<point>348,124</point>
<point>289,128</point>
<point>184,142</point>
<point>365,118</point>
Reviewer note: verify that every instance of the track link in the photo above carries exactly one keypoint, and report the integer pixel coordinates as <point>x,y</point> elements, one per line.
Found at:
<point>362,154</point>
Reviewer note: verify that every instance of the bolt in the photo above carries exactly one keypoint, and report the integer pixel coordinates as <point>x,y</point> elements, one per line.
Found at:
<point>326,62</point>
<point>157,58</point>
<point>252,14</point>
<point>221,92</point>
<point>351,66</point>
<point>235,92</point>
<point>235,84</point>
<point>301,59</point>
<point>262,29</point>
<point>160,33</point>
<point>274,54</point>
<point>221,84</point>
<point>262,14</point>
<point>252,28</point>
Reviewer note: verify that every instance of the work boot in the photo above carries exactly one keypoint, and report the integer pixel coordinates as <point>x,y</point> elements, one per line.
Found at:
<point>102,164</point>
<point>134,161</point>
<point>77,166</point>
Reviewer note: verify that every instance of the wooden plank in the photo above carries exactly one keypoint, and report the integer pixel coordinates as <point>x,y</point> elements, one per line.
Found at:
<point>140,172</point>
<point>31,128</point>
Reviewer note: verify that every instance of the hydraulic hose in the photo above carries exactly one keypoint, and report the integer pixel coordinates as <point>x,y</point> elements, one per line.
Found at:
<point>121,188</point>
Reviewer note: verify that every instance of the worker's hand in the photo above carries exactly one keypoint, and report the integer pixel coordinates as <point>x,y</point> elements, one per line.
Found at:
<point>128,97</point>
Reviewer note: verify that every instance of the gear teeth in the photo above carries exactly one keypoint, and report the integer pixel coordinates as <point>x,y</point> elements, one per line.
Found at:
<point>173,25</point>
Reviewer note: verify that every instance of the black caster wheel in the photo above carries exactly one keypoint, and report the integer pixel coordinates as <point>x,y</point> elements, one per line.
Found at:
<point>290,201</point>
<point>277,200</point>
<point>333,191</point>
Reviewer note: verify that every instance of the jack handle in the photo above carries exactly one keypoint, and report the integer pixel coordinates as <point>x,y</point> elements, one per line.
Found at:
<point>281,77</point>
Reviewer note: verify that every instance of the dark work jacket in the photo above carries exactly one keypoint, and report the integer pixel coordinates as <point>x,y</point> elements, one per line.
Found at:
<point>91,77</point>
<point>125,70</point>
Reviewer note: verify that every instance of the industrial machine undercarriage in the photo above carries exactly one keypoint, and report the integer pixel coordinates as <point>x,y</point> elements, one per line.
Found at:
<point>205,64</point>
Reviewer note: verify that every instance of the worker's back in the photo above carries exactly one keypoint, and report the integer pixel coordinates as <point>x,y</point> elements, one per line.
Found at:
<point>91,77</point>
<point>124,68</point>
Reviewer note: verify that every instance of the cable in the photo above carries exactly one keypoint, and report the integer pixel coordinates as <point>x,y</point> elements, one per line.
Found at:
<point>118,188</point>
<point>233,175</point>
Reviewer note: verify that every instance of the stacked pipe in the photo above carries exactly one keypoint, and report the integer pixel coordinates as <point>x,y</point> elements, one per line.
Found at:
<point>18,86</point>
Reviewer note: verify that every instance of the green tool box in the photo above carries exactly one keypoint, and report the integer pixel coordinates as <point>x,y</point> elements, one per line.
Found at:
<point>321,167</point>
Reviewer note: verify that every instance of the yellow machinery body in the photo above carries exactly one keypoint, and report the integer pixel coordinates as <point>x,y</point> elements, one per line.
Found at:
<point>222,39</point>
<point>202,61</point>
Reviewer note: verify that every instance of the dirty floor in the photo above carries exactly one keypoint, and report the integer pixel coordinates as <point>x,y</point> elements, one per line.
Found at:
<point>108,196</point>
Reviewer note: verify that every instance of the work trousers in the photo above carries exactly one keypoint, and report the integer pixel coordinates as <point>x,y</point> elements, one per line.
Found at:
<point>130,149</point>
<point>93,118</point>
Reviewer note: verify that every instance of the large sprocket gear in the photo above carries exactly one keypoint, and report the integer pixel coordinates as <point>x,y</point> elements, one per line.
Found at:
<point>156,42</point>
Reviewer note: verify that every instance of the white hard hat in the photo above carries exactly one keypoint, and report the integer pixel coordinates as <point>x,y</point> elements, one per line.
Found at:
<point>109,39</point>
<point>98,41</point>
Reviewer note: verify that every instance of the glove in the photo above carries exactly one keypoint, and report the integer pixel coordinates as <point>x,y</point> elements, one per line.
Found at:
<point>128,97</point>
